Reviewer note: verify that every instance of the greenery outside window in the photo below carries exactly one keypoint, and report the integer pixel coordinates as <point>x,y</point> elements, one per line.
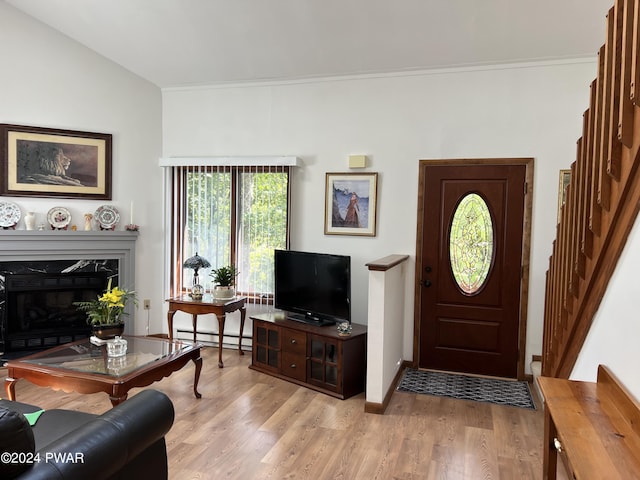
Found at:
<point>230,215</point>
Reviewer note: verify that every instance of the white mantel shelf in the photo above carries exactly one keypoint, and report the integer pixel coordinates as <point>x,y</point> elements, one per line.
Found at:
<point>48,233</point>
<point>62,244</point>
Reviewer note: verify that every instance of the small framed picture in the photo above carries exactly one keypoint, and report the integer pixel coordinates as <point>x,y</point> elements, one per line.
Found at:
<point>46,162</point>
<point>350,204</point>
<point>563,183</point>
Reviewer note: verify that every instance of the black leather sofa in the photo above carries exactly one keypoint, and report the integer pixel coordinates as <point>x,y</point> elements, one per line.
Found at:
<point>126,442</point>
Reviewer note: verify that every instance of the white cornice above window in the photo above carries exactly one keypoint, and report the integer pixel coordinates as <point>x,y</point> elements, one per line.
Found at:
<point>239,161</point>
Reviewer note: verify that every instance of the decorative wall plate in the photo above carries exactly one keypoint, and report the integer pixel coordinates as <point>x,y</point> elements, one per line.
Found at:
<point>9,214</point>
<point>59,218</point>
<point>107,217</point>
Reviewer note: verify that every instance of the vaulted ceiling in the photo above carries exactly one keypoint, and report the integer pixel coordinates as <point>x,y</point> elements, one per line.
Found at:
<point>198,42</point>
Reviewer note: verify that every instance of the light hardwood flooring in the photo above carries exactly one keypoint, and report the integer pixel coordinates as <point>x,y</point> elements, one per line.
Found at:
<point>252,426</point>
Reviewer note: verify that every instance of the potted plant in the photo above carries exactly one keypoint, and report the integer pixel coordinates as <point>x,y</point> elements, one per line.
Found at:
<point>105,313</point>
<point>225,279</point>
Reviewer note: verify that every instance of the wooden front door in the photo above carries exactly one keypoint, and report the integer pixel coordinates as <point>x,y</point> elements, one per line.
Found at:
<point>469,266</point>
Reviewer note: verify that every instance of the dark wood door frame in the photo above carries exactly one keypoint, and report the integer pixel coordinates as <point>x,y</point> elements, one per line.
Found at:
<point>526,249</point>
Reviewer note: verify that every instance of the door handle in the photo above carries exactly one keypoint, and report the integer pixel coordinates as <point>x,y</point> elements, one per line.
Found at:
<point>426,283</point>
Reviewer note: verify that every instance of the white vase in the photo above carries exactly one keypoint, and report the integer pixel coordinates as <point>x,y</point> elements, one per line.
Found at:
<point>30,221</point>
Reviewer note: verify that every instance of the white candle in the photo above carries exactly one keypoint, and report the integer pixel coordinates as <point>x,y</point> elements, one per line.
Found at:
<point>131,222</point>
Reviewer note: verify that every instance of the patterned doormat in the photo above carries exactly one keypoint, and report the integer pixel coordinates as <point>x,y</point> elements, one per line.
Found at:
<point>480,389</point>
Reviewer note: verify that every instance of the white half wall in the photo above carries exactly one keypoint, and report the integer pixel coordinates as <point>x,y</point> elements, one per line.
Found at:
<point>385,330</point>
<point>523,110</point>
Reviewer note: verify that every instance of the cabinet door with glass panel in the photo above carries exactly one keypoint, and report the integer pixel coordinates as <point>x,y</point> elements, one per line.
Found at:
<point>266,351</point>
<point>324,363</point>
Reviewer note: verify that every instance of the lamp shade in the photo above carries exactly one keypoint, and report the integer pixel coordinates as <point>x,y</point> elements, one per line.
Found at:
<point>196,262</point>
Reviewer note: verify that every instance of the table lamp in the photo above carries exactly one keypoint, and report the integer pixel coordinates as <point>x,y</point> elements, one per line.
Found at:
<point>196,263</point>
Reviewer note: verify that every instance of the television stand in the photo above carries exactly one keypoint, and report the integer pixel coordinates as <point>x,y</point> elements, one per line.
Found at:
<point>318,322</point>
<point>313,356</point>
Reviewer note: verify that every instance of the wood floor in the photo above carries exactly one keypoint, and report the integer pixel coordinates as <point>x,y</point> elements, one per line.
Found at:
<point>251,426</point>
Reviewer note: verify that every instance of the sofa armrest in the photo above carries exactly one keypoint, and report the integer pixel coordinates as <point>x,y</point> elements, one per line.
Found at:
<point>107,444</point>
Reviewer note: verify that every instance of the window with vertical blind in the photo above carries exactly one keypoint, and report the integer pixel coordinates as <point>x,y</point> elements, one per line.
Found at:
<point>230,215</point>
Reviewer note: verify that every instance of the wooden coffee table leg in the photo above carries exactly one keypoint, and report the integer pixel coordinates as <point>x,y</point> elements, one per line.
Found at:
<point>10,387</point>
<point>118,400</point>
<point>198,363</point>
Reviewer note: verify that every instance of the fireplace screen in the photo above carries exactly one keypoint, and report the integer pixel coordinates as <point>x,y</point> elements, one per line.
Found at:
<point>39,310</point>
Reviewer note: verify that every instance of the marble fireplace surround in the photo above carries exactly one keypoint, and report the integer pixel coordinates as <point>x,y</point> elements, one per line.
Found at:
<point>36,245</point>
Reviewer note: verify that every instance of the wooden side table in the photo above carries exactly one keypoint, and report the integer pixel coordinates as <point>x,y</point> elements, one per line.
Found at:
<point>208,304</point>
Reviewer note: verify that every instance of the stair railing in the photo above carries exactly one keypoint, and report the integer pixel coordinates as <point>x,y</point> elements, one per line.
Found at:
<point>602,198</point>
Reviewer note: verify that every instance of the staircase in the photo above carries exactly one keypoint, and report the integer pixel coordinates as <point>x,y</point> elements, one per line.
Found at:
<point>603,196</point>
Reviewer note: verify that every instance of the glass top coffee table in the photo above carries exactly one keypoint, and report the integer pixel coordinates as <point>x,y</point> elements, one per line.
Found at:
<point>86,368</point>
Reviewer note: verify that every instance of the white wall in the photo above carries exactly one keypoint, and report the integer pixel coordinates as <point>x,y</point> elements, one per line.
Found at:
<point>527,110</point>
<point>532,110</point>
<point>615,332</point>
<point>51,81</point>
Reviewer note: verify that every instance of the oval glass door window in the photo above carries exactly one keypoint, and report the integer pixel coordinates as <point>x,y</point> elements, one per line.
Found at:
<point>471,243</point>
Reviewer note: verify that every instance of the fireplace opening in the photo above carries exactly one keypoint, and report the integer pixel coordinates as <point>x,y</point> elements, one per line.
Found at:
<point>39,310</point>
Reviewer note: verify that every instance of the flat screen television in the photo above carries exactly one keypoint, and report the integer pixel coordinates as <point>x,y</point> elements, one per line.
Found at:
<point>313,288</point>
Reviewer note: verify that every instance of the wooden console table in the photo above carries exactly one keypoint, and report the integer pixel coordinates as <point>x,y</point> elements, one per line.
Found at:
<point>593,427</point>
<point>208,304</point>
